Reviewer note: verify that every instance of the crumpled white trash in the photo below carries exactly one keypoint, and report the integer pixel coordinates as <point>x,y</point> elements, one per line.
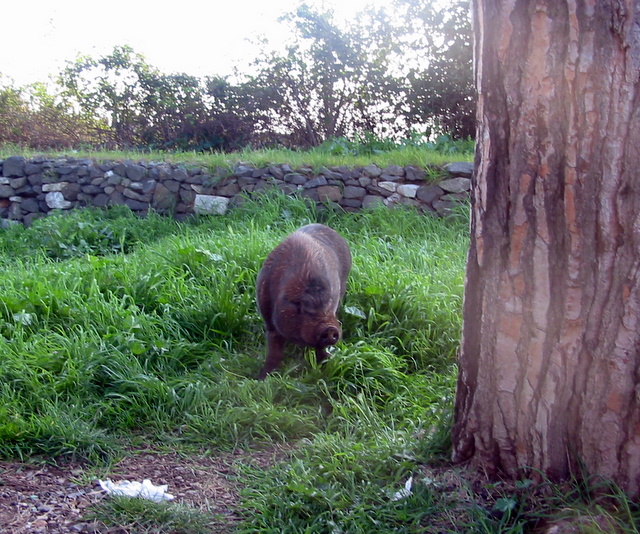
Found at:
<point>144,489</point>
<point>404,492</point>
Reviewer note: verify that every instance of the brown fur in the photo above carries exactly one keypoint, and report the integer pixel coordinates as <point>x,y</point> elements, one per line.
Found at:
<point>299,289</point>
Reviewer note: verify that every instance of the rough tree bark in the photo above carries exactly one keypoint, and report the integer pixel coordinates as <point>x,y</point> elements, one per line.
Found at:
<point>549,364</point>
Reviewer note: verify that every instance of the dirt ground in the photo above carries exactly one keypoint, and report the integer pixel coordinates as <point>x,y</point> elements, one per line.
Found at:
<point>55,499</point>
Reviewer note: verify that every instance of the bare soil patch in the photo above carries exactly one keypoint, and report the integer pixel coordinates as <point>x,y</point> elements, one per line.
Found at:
<point>55,499</point>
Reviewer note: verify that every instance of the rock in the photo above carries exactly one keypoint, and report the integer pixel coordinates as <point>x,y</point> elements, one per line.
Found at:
<point>408,190</point>
<point>295,178</point>
<point>315,182</point>
<point>371,201</point>
<point>230,189</point>
<point>372,171</point>
<point>460,168</point>
<point>352,191</point>
<point>47,188</point>
<point>276,172</point>
<point>414,174</point>
<point>56,200</point>
<point>6,191</point>
<point>210,205</point>
<point>428,193</point>
<point>164,199</point>
<point>180,174</point>
<point>331,193</point>
<point>389,186</point>
<point>456,185</point>
<point>393,170</point>
<point>136,205</point>
<point>13,166</point>
<point>444,207</point>
<point>135,172</point>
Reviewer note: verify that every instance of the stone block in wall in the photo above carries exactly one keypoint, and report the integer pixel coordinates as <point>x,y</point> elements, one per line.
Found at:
<point>428,193</point>
<point>331,175</point>
<point>393,170</point>
<point>372,171</point>
<point>414,174</point>
<point>116,198</point>
<point>295,178</point>
<point>408,190</point>
<point>27,191</point>
<point>6,191</point>
<point>91,189</point>
<point>30,205</point>
<point>444,207</point>
<point>64,170</point>
<point>101,200</point>
<point>351,202</point>
<point>460,168</point>
<point>315,182</point>
<point>388,186</point>
<point>276,171</point>
<point>135,172</point>
<point>164,199</point>
<point>210,205</point>
<point>144,187</point>
<point>179,174</point>
<point>311,194</point>
<point>15,211</point>
<point>230,189</point>
<point>55,200</point>
<point>456,185</point>
<point>243,171</point>
<point>28,218</point>
<point>374,188</point>
<point>329,193</point>
<point>13,166</point>
<point>129,193</point>
<point>113,178</point>
<point>70,191</point>
<point>59,186</point>
<point>355,192</point>
<point>32,168</point>
<point>287,189</point>
<point>392,199</point>
<point>371,201</point>
<point>35,179</point>
<point>136,205</point>
<point>171,185</point>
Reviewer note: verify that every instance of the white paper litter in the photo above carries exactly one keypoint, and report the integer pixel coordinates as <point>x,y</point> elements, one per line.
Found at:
<point>404,492</point>
<point>144,489</point>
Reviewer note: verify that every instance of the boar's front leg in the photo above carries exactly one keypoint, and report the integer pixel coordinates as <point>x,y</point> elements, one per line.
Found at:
<point>321,354</point>
<point>275,350</point>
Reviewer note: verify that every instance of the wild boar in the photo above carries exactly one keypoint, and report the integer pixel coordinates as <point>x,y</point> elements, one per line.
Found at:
<point>299,288</point>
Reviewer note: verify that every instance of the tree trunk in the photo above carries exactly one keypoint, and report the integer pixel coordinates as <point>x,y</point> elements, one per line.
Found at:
<point>549,367</point>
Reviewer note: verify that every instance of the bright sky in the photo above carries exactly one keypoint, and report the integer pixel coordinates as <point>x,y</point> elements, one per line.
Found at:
<point>197,37</point>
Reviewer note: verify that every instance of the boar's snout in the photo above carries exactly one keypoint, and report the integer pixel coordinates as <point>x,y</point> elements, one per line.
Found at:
<point>329,336</point>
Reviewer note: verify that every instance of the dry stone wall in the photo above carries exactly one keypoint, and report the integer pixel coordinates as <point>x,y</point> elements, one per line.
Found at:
<point>31,188</point>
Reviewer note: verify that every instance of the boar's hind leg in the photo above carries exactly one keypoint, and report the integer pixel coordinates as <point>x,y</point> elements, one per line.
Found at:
<point>275,349</point>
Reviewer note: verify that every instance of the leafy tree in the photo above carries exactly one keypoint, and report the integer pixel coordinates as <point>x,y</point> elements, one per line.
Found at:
<point>329,82</point>
<point>32,116</point>
<point>440,95</point>
<point>145,107</point>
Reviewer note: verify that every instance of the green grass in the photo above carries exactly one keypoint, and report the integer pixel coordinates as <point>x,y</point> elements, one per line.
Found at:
<point>117,330</point>
<point>334,153</point>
